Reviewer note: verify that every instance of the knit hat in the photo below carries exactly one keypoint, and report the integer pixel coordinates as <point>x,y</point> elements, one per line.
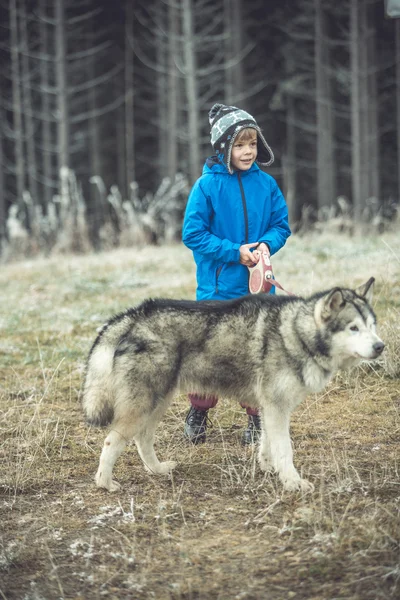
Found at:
<point>226,123</point>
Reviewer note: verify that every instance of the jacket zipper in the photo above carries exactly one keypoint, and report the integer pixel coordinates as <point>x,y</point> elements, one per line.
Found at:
<point>216,278</point>
<point>246,227</point>
<point>246,217</point>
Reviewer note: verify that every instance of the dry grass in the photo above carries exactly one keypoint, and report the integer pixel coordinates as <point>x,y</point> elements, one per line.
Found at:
<point>219,528</point>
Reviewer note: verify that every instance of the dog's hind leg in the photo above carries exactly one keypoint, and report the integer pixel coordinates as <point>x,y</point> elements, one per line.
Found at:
<point>276,448</point>
<point>144,440</point>
<point>114,444</point>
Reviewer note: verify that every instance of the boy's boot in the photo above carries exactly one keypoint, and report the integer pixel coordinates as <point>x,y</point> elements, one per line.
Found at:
<point>196,425</point>
<point>253,431</point>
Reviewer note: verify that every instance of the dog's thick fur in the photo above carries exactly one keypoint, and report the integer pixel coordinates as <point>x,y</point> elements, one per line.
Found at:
<point>267,351</point>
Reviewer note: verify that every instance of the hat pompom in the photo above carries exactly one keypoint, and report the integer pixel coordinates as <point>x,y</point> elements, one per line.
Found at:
<point>214,110</point>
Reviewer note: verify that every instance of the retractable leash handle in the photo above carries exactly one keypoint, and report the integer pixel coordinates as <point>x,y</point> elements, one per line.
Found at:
<point>261,277</point>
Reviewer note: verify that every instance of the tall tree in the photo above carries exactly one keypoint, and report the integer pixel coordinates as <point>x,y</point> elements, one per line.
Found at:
<point>3,210</point>
<point>362,74</point>
<point>364,108</point>
<point>326,168</point>
<point>289,163</point>
<point>372,125</point>
<point>17,103</point>
<point>46,134</point>
<point>27,103</point>
<point>93,119</point>
<point>62,86</point>
<point>233,38</point>
<point>356,91</point>
<point>398,102</point>
<point>166,134</point>
<point>173,96</point>
<point>129,96</point>
<point>191,90</point>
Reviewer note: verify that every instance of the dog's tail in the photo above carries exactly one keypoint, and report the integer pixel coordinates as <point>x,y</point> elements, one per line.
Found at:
<point>97,395</point>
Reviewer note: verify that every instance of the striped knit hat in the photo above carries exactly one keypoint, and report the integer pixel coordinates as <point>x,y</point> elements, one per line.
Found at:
<point>226,122</point>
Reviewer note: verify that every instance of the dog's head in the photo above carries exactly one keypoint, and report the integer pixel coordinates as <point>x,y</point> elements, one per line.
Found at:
<point>348,316</point>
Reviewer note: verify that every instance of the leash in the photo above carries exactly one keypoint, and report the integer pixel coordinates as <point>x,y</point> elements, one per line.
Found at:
<point>261,277</point>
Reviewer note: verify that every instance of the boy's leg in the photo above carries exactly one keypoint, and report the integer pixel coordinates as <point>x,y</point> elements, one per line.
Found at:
<point>252,432</point>
<point>196,419</point>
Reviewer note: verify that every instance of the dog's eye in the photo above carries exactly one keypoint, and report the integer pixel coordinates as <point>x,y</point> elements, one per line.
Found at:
<point>354,328</point>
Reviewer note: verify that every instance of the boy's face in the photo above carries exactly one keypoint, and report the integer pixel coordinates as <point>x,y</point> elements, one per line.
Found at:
<point>244,152</point>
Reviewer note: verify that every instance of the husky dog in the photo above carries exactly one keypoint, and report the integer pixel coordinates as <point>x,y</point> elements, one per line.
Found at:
<point>265,350</point>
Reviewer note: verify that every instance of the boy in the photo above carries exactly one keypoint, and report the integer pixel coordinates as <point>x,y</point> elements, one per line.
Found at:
<point>234,213</point>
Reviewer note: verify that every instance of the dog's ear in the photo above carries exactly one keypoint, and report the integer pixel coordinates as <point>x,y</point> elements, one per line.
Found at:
<point>329,306</point>
<point>365,290</point>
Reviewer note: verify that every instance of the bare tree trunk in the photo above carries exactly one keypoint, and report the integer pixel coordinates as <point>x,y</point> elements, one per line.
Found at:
<point>94,134</point>
<point>355,110</point>
<point>326,168</point>
<point>17,104</point>
<point>121,161</point>
<point>372,158</point>
<point>163,74</point>
<point>129,107</point>
<point>191,90</point>
<point>229,74</point>
<point>289,163</point>
<point>96,206</point>
<point>173,82</point>
<point>363,102</point>
<point>233,40</point>
<point>237,47</point>
<point>45,99</point>
<point>3,209</point>
<point>62,89</point>
<point>398,103</point>
<point>28,108</point>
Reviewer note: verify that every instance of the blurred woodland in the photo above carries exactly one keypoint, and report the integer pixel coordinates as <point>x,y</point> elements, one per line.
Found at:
<point>104,113</point>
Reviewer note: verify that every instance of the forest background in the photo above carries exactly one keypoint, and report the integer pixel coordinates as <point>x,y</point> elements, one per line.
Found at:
<point>104,113</point>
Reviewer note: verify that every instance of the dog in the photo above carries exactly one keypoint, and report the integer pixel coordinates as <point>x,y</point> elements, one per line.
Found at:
<point>267,351</point>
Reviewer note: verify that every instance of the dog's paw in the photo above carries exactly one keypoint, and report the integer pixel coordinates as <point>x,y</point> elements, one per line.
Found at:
<point>107,483</point>
<point>266,465</point>
<point>114,486</point>
<point>265,462</point>
<point>298,484</point>
<point>162,468</point>
<point>111,486</point>
<point>167,466</point>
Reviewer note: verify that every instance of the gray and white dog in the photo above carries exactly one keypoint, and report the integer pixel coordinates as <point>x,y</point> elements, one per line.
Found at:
<point>267,351</point>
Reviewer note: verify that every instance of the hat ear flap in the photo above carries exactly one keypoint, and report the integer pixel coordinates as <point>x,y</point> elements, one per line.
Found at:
<point>214,110</point>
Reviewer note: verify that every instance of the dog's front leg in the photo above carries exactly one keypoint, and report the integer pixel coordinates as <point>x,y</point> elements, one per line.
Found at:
<point>276,448</point>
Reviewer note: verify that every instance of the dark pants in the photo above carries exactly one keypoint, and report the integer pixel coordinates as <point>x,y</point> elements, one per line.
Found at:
<point>204,402</point>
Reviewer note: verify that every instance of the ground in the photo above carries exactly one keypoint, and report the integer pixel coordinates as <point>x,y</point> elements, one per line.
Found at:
<point>218,528</point>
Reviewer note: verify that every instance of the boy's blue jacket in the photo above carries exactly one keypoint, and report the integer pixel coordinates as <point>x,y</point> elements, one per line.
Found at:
<point>225,211</point>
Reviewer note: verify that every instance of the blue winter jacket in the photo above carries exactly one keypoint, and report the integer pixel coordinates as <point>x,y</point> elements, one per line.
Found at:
<point>225,211</point>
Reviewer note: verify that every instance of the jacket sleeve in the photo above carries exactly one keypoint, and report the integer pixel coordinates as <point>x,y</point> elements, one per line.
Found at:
<point>196,233</point>
<point>278,229</point>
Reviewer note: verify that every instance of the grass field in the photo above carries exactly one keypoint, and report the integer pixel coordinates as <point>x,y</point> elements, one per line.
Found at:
<point>218,528</point>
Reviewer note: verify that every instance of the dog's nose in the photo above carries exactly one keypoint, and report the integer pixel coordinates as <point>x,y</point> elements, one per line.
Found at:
<point>378,347</point>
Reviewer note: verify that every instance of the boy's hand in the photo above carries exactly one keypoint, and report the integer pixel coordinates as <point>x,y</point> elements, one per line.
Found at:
<point>260,250</point>
<point>247,258</point>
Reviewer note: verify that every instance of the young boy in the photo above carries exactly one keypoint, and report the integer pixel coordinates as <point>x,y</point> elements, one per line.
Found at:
<point>234,213</point>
